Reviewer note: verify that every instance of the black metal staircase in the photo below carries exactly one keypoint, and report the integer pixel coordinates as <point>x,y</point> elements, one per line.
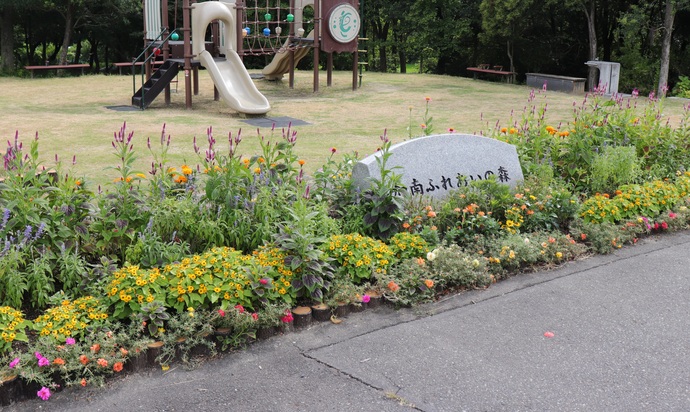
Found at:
<point>162,77</point>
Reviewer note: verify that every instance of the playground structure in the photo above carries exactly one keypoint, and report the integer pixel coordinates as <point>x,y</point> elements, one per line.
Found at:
<point>239,29</point>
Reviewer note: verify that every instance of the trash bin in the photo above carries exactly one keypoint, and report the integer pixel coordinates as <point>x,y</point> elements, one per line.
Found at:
<point>609,73</point>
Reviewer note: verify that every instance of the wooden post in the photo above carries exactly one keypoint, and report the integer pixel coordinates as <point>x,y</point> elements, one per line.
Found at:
<point>355,63</point>
<point>329,69</point>
<point>317,34</point>
<point>186,23</point>
<point>166,48</point>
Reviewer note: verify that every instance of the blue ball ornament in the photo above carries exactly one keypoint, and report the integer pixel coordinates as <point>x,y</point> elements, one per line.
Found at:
<point>175,37</point>
<point>248,30</point>
<point>267,32</point>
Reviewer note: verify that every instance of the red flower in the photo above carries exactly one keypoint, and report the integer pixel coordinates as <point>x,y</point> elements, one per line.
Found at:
<point>263,281</point>
<point>288,317</point>
<point>221,312</point>
<point>239,308</point>
<point>664,225</point>
<point>255,316</point>
<point>83,382</point>
<point>117,367</point>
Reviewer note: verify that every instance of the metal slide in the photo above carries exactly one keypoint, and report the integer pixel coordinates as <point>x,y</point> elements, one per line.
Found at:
<point>230,76</point>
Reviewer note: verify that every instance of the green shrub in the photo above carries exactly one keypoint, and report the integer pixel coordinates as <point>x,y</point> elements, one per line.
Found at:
<point>614,167</point>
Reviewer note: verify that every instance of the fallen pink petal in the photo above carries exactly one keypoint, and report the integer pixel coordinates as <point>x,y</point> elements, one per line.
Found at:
<point>549,334</point>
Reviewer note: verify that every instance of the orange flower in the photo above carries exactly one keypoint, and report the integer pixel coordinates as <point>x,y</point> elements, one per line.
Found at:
<point>83,359</point>
<point>504,130</point>
<point>78,182</point>
<point>186,170</point>
<point>59,361</point>
<point>429,283</point>
<point>245,161</point>
<point>180,179</point>
<point>583,236</point>
<point>117,367</point>
<point>420,262</point>
<point>431,214</point>
<point>301,162</point>
<point>83,382</point>
<point>102,362</point>
<point>564,133</point>
<point>406,225</point>
<point>393,286</point>
<point>428,99</point>
<point>261,160</point>
<point>433,227</point>
<point>124,351</point>
<point>128,179</point>
<point>257,170</point>
<point>606,195</point>
<point>512,130</point>
<point>552,240</point>
<point>95,348</point>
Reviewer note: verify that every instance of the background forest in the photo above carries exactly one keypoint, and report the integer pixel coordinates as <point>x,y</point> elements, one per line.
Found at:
<point>649,38</point>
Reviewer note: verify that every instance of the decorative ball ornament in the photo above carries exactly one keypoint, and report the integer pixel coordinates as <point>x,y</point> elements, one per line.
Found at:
<point>248,30</point>
<point>290,18</point>
<point>244,33</point>
<point>300,32</point>
<point>279,30</point>
<point>268,16</point>
<point>157,51</point>
<point>175,37</point>
<point>267,32</point>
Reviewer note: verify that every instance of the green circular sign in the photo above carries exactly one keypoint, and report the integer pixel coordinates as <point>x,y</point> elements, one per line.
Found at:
<point>344,23</point>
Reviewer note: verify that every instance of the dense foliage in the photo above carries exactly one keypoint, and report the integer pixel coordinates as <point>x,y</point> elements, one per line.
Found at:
<point>436,36</point>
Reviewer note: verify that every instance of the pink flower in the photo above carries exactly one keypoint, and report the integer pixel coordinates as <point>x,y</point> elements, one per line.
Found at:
<point>38,355</point>
<point>70,341</point>
<point>656,225</point>
<point>366,298</point>
<point>14,363</point>
<point>43,362</point>
<point>264,281</point>
<point>239,308</point>
<point>44,393</point>
<point>672,215</point>
<point>221,312</point>
<point>288,317</point>
<point>664,225</point>
<point>255,316</point>
<point>333,149</point>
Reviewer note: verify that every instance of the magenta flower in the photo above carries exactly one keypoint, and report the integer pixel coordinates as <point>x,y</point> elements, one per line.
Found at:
<point>263,281</point>
<point>38,355</point>
<point>288,317</point>
<point>43,362</point>
<point>70,341</point>
<point>14,363</point>
<point>44,393</point>
<point>672,215</point>
<point>221,312</point>
<point>366,298</point>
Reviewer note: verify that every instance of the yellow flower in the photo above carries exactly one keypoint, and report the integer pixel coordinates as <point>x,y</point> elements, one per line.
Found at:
<point>186,170</point>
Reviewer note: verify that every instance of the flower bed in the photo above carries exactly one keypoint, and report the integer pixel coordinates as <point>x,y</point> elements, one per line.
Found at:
<point>163,265</point>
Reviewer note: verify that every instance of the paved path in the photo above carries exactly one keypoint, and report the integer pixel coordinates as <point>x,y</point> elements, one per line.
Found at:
<point>621,326</point>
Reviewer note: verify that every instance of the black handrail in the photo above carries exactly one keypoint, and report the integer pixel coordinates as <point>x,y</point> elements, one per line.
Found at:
<point>152,44</point>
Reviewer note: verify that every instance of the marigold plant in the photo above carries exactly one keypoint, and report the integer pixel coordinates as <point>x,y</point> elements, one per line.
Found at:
<point>405,245</point>
<point>12,327</point>
<point>131,287</point>
<point>359,257</point>
<point>71,319</point>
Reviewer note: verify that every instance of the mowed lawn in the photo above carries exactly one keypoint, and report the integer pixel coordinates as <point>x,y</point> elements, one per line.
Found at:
<point>70,115</point>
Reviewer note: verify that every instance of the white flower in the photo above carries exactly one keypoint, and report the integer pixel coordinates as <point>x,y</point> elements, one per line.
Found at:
<point>475,263</point>
<point>526,240</point>
<point>430,256</point>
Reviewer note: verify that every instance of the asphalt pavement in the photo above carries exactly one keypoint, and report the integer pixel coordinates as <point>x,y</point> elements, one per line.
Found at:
<point>607,333</point>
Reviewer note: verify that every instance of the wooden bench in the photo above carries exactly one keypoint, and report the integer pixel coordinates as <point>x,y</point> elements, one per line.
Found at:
<point>57,67</point>
<point>496,71</point>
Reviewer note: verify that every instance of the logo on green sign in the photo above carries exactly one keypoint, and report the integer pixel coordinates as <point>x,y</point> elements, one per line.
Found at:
<point>344,23</point>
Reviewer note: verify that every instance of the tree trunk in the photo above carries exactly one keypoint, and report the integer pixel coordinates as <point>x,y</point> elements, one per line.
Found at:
<point>592,33</point>
<point>669,15</point>
<point>67,37</point>
<point>7,39</point>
